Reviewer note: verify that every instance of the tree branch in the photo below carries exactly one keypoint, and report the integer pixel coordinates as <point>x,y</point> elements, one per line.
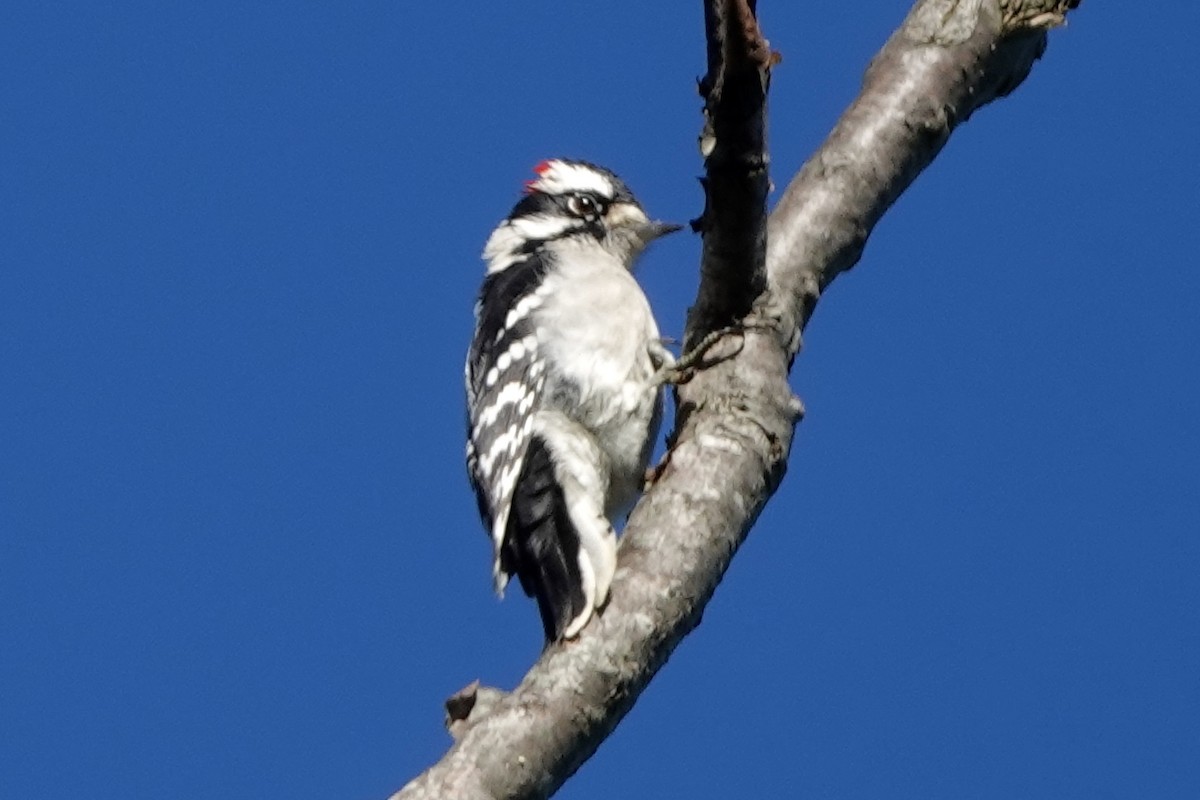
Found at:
<point>733,142</point>
<point>948,59</point>
<point>735,419</point>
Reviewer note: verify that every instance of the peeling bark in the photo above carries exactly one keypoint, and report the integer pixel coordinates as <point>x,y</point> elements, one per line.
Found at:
<point>735,419</point>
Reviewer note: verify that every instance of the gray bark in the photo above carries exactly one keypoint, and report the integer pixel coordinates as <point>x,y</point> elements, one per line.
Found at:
<point>735,418</point>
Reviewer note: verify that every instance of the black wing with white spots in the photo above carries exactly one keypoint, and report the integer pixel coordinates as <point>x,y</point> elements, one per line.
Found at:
<point>510,465</point>
<point>504,385</point>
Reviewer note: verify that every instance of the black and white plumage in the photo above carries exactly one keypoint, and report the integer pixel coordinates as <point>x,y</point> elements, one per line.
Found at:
<point>563,393</point>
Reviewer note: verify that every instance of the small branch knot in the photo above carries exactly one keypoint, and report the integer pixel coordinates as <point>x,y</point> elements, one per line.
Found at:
<point>468,705</point>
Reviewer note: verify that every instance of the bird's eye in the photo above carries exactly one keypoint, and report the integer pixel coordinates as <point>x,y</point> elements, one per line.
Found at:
<point>581,205</point>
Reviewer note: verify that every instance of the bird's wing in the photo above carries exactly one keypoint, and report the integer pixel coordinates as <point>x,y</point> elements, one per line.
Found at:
<point>505,377</point>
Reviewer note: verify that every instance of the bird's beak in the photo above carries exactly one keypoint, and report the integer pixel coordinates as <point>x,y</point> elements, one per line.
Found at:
<point>657,228</point>
<point>631,217</point>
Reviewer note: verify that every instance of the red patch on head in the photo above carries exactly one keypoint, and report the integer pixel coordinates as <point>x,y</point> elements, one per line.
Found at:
<point>541,169</point>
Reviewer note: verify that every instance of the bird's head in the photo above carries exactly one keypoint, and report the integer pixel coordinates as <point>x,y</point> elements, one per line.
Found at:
<point>574,202</point>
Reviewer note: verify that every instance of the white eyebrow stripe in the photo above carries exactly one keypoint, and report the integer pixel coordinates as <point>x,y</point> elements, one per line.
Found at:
<point>560,177</point>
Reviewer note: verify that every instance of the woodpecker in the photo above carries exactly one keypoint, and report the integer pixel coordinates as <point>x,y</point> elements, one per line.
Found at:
<point>563,381</point>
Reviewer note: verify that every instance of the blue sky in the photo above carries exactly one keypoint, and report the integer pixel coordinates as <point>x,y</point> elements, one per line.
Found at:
<point>238,555</point>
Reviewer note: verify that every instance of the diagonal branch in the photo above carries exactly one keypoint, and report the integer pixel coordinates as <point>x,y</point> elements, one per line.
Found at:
<point>948,59</point>
<point>735,419</point>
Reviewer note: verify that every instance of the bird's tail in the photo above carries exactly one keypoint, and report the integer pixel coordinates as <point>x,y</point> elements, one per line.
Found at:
<point>542,547</point>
